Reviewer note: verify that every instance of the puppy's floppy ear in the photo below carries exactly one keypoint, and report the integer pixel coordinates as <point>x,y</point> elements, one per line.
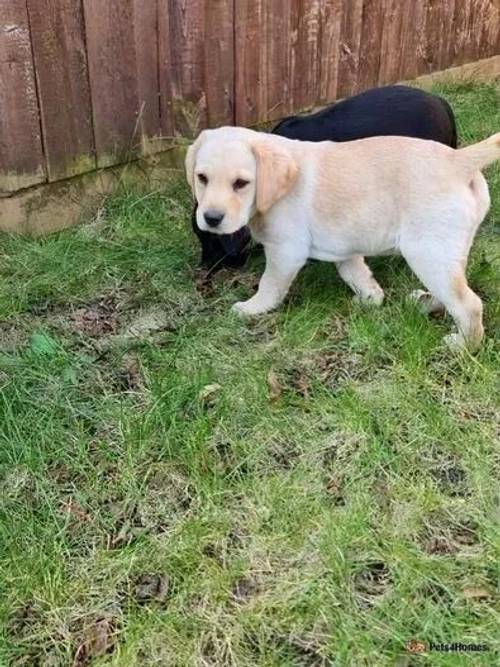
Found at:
<point>277,171</point>
<point>190,161</point>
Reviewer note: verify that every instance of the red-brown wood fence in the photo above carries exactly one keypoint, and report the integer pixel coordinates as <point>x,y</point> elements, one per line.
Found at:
<point>88,83</point>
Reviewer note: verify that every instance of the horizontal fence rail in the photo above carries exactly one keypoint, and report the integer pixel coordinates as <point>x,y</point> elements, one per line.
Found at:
<point>93,83</point>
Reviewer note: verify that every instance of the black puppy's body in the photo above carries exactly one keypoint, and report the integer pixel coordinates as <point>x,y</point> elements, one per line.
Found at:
<point>387,111</point>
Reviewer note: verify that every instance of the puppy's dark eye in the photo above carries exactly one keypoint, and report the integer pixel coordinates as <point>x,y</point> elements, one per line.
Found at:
<point>240,183</point>
<point>203,179</point>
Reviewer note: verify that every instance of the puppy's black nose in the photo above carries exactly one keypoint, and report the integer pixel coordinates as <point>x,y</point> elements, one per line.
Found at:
<point>213,218</point>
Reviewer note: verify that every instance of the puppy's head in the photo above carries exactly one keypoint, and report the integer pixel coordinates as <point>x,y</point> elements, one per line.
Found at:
<point>234,174</point>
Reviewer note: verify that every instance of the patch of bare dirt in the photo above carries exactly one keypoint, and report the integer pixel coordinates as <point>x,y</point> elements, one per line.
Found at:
<point>448,538</point>
<point>334,487</point>
<point>305,649</point>
<point>166,498</point>
<point>371,582</point>
<point>208,396</point>
<point>151,588</point>
<point>97,319</point>
<point>13,335</point>
<point>450,478</point>
<point>244,589</point>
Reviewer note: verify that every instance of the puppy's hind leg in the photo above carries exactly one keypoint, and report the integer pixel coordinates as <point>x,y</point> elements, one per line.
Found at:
<point>282,265</point>
<point>355,272</point>
<point>445,278</point>
<point>439,257</point>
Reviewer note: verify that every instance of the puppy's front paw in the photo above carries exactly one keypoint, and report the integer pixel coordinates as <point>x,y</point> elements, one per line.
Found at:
<point>455,342</point>
<point>242,308</point>
<point>374,297</point>
<point>249,308</point>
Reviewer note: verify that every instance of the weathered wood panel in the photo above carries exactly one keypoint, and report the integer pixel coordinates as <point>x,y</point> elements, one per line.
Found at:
<point>21,155</point>
<point>101,80</point>
<point>331,26</point>
<point>412,50</point>
<point>196,43</point>
<point>164,68</point>
<point>123,69</point>
<point>372,22</point>
<point>275,62</point>
<point>61,71</point>
<point>390,53</point>
<point>349,46</point>
<point>304,50</point>
<point>279,57</point>
<point>252,25</point>
<point>293,54</point>
<point>486,28</point>
<point>265,76</point>
<point>146,48</point>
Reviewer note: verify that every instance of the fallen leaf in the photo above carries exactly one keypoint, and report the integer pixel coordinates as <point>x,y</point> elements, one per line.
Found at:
<point>150,588</point>
<point>208,393</point>
<point>244,588</point>
<point>301,384</point>
<point>274,385</point>
<point>99,639</point>
<point>334,487</point>
<point>75,511</point>
<point>148,323</point>
<point>125,535</point>
<point>474,593</point>
<point>130,374</point>
<point>43,345</point>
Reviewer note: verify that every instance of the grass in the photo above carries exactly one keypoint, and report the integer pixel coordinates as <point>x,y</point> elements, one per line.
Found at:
<point>180,487</point>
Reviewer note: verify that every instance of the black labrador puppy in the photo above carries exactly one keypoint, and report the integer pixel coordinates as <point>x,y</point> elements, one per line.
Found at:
<point>391,110</point>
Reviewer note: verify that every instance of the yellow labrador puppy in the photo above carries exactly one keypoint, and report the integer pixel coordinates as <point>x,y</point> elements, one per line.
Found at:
<point>341,202</point>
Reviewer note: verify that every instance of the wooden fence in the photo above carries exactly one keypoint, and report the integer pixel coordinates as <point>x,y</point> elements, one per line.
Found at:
<point>88,83</point>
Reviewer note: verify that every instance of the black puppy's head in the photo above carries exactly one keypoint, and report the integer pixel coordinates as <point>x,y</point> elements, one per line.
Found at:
<point>220,251</point>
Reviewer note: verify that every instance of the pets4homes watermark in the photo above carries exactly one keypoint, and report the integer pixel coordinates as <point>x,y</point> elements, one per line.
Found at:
<point>417,646</point>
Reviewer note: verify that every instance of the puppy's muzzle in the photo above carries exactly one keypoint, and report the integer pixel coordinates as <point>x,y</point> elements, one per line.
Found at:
<point>213,218</point>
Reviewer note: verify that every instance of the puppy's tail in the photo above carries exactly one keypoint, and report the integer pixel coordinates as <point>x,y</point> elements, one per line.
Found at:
<point>476,157</point>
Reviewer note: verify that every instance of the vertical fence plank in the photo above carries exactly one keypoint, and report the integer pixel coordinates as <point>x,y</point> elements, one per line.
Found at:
<point>390,56</point>
<point>197,42</point>
<point>248,28</point>
<point>123,73</point>
<point>285,73</point>
<point>113,78</point>
<point>185,43</point>
<point>433,35</point>
<point>331,20</point>
<point>275,61</point>
<point>412,50</point>
<point>263,80</point>
<point>145,21</point>
<point>486,19</point>
<point>21,154</point>
<point>304,51</point>
<point>349,47</point>
<point>372,22</point>
<point>61,69</point>
<point>164,69</point>
<point>218,60</point>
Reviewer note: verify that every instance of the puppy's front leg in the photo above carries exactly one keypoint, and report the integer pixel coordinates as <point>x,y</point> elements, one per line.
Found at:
<point>282,265</point>
<point>355,272</point>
